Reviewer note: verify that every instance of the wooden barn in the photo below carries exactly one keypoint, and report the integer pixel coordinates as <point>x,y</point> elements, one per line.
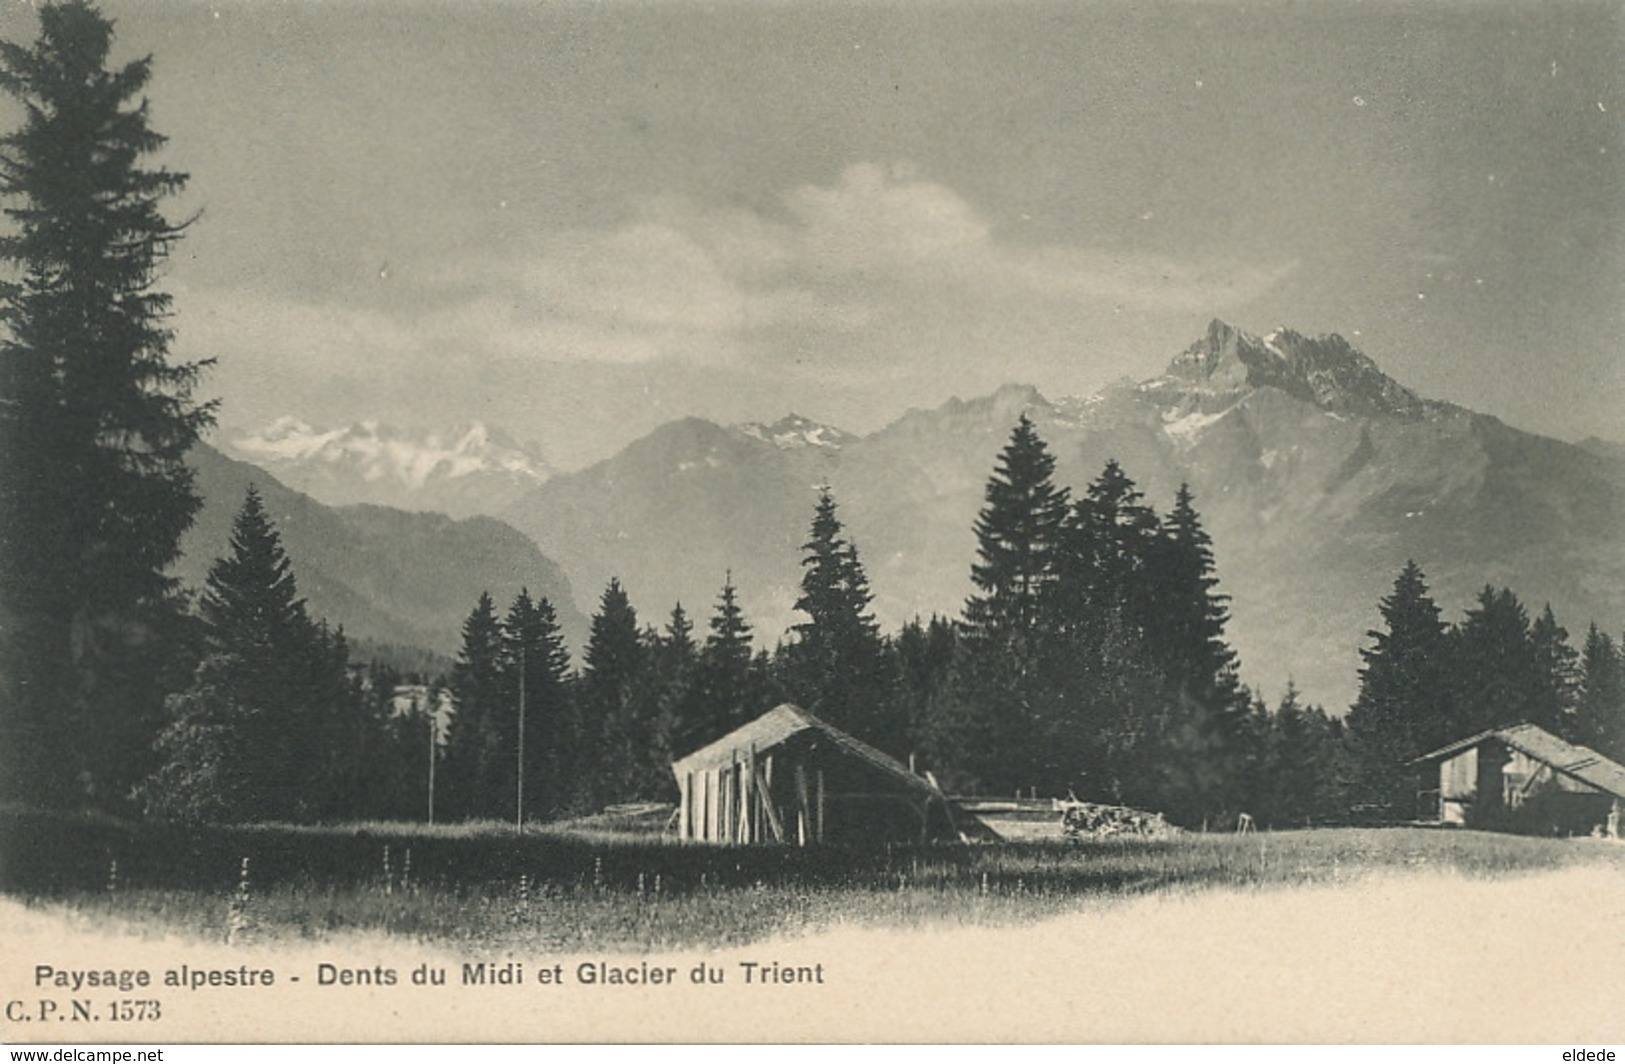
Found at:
<point>788,777</point>
<point>1526,778</point>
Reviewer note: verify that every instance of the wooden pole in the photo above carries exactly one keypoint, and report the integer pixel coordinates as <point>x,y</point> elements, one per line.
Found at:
<point>434,749</point>
<point>519,792</point>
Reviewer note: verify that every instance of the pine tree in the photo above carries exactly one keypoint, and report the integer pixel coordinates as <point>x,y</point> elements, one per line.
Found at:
<point>1403,707</point>
<point>680,686</point>
<point>835,665</point>
<point>678,651</point>
<point>729,691</point>
<point>95,420</point>
<point>1185,628</point>
<point>998,716</point>
<point>1600,711</point>
<point>251,738</point>
<point>922,657</point>
<point>1119,730</point>
<point>1303,774</point>
<point>1495,671</point>
<point>1111,540</point>
<point>480,735</point>
<point>1018,534</point>
<point>622,757</point>
<point>1557,666</point>
<point>1181,622</point>
<point>533,647</point>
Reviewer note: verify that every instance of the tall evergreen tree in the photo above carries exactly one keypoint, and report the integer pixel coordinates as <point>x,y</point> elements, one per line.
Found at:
<point>1181,627</point>
<point>996,720</point>
<point>252,738</point>
<point>1185,629</point>
<point>1403,708</point>
<point>729,691</point>
<point>677,647</point>
<point>1557,666</point>
<point>922,656</point>
<point>1600,711</point>
<point>533,648</point>
<point>480,735</point>
<point>1117,717</point>
<point>1495,671</point>
<point>836,664</point>
<point>676,679</point>
<point>95,419</point>
<point>623,755</point>
<point>1110,543</point>
<point>1018,534</point>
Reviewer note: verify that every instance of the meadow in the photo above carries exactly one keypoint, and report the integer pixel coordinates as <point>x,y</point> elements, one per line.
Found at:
<point>614,883</point>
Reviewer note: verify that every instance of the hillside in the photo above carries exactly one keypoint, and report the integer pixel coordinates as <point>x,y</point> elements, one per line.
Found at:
<point>1317,475</point>
<point>386,575</point>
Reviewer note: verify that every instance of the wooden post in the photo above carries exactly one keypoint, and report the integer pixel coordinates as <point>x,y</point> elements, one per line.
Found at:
<point>765,798</point>
<point>713,791</point>
<point>727,793</point>
<point>748,797</point>
<point>434,750</point>
<point>685,783</point>
<point>819,835</point>
<point>733,801</point>
<point>803,805</point>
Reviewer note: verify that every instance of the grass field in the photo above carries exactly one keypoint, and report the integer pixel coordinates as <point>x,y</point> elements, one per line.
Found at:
<point>615,884</point>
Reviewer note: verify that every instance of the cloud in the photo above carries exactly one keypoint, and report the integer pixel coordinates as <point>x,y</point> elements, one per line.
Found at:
<point>859,269</point>
<point>873,218</point>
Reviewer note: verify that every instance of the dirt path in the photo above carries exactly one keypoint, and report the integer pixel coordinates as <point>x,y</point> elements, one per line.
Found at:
<point>1419,958</point>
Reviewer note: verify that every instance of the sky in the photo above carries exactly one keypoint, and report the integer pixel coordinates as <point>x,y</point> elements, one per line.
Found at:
<point>578,220</point>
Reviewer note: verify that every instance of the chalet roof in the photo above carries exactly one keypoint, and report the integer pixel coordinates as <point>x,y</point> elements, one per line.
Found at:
<point>776,727</point>
<point>1580,762</point>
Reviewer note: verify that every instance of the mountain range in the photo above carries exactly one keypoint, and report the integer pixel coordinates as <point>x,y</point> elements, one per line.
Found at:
<point>388,576</point>
<point>466,470</point>
<point>1316,474</point>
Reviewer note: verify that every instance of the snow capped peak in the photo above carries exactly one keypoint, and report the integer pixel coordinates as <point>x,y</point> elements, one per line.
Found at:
<point>1325,370</point>
<point>372,461</point>
<point>794,431</point>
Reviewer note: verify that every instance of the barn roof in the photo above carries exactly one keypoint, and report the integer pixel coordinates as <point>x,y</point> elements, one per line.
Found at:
<point>776,727</point>
<point>1581,762</point>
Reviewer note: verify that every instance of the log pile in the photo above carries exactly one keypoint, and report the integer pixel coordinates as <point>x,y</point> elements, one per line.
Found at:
<point>1089,820</point>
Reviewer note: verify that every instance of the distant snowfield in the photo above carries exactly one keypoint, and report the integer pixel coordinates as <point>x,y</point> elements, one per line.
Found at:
<point>1422,957</point>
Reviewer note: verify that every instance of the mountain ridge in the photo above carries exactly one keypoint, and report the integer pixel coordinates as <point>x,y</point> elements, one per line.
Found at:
<point>460,470</point>
<point>383,574</point>
<point>1317,475</point>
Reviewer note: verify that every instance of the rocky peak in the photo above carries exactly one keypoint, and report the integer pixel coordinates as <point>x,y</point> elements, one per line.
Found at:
<point>1325,370</point>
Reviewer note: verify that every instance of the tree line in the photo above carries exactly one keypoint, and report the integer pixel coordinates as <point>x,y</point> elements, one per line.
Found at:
<point>1426,683</point>
<point>1090,659</point>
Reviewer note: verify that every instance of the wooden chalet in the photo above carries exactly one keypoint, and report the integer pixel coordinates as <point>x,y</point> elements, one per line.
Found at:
<point>1523,777</point>
<point>788,777</point>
